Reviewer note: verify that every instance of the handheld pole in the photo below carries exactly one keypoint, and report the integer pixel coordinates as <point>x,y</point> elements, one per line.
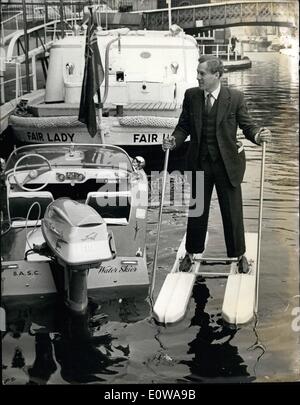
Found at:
<point>159,222</point>
<point>100,117</point>
<point>261,196</point>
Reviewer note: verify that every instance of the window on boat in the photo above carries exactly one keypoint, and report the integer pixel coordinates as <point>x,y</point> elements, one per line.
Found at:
<point>74,155</point>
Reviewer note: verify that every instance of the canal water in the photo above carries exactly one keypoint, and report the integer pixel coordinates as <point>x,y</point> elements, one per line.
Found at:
<point>120,343</point>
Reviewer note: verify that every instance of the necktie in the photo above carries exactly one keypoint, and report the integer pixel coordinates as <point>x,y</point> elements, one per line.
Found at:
<point>208,103</point>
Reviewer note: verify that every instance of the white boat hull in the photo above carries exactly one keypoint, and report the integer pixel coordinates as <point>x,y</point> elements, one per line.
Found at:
<point>135,131</point>
<point>114,278</point>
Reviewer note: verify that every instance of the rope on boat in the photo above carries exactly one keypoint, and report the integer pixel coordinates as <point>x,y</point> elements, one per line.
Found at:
<point>45,122</point>
<point>148,121</point>
<point>72,121</point>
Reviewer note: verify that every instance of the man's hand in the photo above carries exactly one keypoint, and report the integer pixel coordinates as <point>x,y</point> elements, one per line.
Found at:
<point>168,143</point>
<point>264,135</point>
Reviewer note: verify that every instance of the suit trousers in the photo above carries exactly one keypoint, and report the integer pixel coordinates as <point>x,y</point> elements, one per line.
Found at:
<point>231,206</point>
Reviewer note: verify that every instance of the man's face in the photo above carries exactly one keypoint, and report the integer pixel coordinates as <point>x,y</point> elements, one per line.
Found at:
<point>207,81</point>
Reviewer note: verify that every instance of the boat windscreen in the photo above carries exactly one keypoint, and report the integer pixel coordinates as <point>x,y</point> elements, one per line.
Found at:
<point>104,156</point>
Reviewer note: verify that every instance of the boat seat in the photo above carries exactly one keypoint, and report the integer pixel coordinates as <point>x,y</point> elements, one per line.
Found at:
<point>20,202</point>
<point>111,205</point>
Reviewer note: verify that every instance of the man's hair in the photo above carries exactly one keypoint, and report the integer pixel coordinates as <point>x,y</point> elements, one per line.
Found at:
<point>214,64</point>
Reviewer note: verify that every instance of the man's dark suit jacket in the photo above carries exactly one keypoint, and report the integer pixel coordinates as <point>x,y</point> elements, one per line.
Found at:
<point>232,112</point>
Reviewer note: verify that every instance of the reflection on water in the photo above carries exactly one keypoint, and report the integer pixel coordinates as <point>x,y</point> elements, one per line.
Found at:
<point>120,342</point>
<point>214,354</point>
<point>53,345</point>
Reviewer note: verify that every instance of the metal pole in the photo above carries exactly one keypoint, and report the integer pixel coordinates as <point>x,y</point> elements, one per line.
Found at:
<point>261,196</point>
<point>169,13</point>
<point>26,47</point>
<point>2,92</point>
<point>34,78</point>
<point>75,14</point>
<point>72,14</point>
<point>17,80</point>
<point>2,68</point>
<point>159,222</point>
<point>45,29</point>
<point>61,12</point>
<point>100,118</point>
<point>46,12</point>
<point>224,260</point>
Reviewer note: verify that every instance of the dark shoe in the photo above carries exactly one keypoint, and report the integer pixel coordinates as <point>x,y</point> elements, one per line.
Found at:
<point>185,264</point>
<point>243,266</point>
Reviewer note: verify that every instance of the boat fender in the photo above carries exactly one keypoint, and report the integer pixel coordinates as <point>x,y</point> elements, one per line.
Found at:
<point>148,121</point>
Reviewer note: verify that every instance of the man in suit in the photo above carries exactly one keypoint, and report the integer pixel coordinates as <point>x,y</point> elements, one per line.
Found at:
<point>210,115</point>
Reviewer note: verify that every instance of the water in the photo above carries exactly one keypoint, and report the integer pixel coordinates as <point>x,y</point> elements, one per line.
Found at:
<point>120,343</point>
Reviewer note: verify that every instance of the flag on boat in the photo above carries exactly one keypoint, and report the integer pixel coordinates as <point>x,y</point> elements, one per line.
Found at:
<point>92,79</point>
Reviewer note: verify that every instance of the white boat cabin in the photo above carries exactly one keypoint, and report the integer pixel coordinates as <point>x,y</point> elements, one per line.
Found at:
<point>142,66</point>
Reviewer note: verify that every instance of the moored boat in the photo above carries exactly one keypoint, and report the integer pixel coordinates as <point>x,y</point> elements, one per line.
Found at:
<point>146,75</point>
<point>93,241</point>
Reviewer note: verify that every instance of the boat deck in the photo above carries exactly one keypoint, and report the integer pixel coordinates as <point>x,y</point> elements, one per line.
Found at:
<point>62,109</point>
<point>151,106</point>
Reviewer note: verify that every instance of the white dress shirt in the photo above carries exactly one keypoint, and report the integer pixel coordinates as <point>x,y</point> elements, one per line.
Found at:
<point>215,94</point>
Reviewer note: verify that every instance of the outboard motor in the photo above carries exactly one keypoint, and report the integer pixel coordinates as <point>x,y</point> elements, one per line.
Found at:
<point>79,240</point>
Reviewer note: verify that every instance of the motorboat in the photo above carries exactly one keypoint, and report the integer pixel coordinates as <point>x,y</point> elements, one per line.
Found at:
<point>74,224</point>
<point>146,75</point>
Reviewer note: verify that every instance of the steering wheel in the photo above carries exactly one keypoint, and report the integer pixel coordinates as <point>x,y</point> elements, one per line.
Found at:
<point>33,174</point>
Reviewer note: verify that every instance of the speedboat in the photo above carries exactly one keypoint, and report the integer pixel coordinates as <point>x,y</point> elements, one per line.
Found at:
<point>74,224</point>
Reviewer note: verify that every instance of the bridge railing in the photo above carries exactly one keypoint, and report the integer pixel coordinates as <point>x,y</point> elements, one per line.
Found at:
<point>38,11</point>
<point>218,15</point>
